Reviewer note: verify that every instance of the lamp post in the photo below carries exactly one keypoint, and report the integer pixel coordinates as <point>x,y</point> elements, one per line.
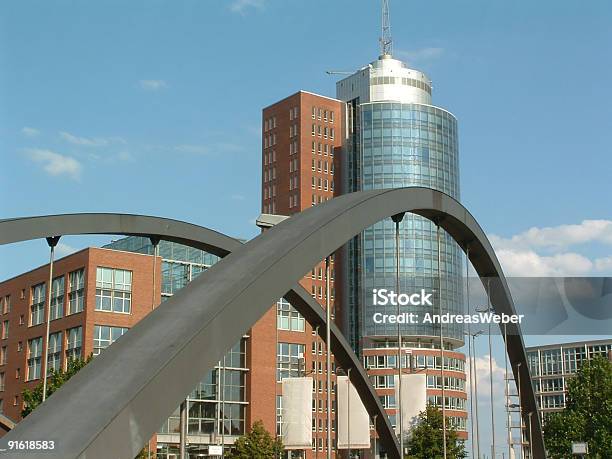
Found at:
<point>397,218</point>
<point>489,309</point>
<point>474,380</point>
<point>328,355</point>
<point>52,241</point>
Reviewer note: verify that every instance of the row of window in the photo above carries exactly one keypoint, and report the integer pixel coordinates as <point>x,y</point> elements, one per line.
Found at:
<point>401,80</point>
<point>319,273</point>
<point>269,157</point>
<point>269,208</point>
<point>322,184</point>
<point>415,361</point>
<point>322,148</point>
<point>269,174</point>
<point>269,192</point>
<point>433,382</point>
<point>293,201</point>
<point>72,344</point>
<point>322,166</point>
<point>269,140</point>
<point>317,199</point>
<point>269,123</point>
<point>76,297</point>
<point>323,131</point>
<point>321,293</point>
<point>566,360</point>
<point>322,114</point>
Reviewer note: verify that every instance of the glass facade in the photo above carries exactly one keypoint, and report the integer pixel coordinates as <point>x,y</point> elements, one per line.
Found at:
<point>400,145</point>
<point>552,366</point>
<point>217,405</point>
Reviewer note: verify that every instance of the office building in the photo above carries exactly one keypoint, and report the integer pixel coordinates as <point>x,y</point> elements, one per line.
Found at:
<point>300,136</point>
<point>96,296</point>
<point>552,365</point>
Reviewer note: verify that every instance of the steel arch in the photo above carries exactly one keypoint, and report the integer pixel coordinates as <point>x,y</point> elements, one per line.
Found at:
<point>217,308</point>
<point>22,229</point>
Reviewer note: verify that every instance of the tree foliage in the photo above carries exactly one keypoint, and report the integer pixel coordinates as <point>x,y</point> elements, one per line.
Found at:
<point>588,413</point>
<point>56,378</point>
<point>256,444</point>
<point>426,440</point>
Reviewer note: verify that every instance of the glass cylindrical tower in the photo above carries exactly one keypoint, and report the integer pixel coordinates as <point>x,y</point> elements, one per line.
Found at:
<point>396,138</point>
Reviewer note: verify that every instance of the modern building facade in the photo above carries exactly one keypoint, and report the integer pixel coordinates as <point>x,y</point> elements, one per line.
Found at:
<point>395,137</point>
<point>553,365</point>
<point>385,134</point>
<point>96,296</point>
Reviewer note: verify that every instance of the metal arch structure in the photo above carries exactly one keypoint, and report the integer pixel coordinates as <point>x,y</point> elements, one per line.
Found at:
<point>123,385</point>
<point>22,229</point>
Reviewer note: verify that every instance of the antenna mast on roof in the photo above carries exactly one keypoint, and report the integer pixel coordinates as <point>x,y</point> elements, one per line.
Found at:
<point>386,42</point>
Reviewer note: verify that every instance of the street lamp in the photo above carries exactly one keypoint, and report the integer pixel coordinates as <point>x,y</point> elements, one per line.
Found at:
<point>490,309</point>
<point>474,382</point>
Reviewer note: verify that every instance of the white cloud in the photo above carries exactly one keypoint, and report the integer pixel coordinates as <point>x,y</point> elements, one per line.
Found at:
<point>152,85</point>
<point>529,263</point>
<point>241,6</point>
<point>29,131</point>
<point>483,379</point>
<point>55,164</point>
<point>83,141</point>
<point>559,237</point>
<point>520,254</point>
<point>422,54</point>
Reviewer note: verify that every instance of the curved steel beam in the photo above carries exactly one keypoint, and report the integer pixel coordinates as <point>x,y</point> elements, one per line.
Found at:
<point>22,229</point>
<point>217,308</point>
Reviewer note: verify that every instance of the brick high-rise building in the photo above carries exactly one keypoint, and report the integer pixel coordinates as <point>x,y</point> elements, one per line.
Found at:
<point>300,137</point>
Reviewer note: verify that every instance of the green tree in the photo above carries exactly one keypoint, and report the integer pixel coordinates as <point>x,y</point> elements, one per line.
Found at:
<point>588,413</point>
<point>257,444</point>
<point>32,398</point>
<point>426,439</point>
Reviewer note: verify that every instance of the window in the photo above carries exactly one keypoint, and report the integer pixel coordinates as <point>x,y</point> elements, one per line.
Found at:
<point>331,116</point>
<point>113,290</point>
<point>57,298</point>
<point>332,133</point>
<point>54,354</point>
<point>74,338</point>
<point>2,381</point>
<point>6,307</point>
<point>287,318</point>
<point>314,129</point>
<point>5,329</point>
<point>3,355</point>
<point>76,295</point>
<point>34,358</point>
<point>104,336</point>
<point>290,360</point>
<point>314,113</point>
<point>37,308</point>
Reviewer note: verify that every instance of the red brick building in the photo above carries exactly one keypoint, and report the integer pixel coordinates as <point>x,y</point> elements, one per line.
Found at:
<point>96,295</point>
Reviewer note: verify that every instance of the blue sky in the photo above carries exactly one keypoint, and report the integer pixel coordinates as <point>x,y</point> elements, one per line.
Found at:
<point>154,107</point>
